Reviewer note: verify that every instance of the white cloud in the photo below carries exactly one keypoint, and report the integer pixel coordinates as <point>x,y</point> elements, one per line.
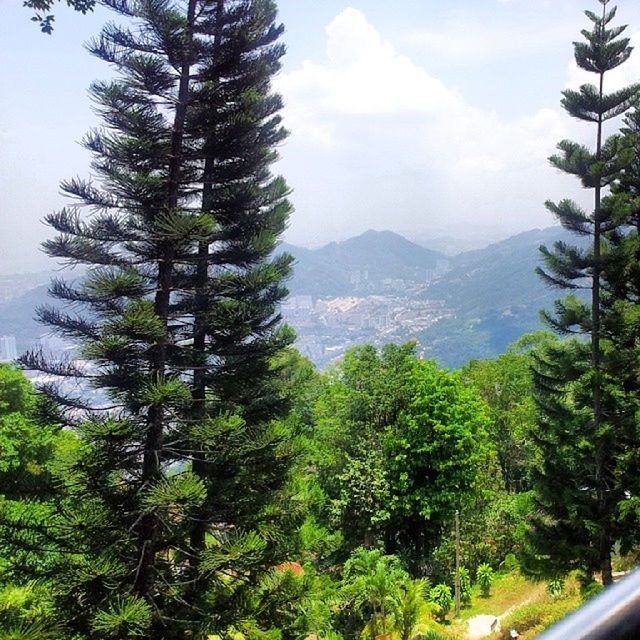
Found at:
<point>363,75</point>
<point>380,142</point>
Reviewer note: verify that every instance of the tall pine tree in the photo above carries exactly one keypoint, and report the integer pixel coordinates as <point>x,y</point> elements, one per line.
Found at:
<point>163,519</point>
<point>236,328</point>
<point>576,481</point>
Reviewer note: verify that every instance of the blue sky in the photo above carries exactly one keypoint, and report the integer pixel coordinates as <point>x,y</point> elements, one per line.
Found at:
<point>427,118</point>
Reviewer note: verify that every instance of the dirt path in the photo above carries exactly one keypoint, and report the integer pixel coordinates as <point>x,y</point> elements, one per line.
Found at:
<point>484,625</point>
<point>481,626</point>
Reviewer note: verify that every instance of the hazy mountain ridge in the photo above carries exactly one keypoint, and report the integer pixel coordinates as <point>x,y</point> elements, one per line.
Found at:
<point>496,296</point>
<point>483,299</point>
<point>360,264</point>
<point>501,275</point>
<point>492,295</point>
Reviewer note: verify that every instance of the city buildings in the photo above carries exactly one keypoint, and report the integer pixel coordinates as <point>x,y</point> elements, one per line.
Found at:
<point>8,350</point>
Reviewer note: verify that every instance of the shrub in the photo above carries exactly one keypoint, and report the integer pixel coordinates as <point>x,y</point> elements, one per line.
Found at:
<point>465,586</point>
<point>556,587</point>
<point>441,597</point>
<point>511,563</point>
<point>484,578</point>
<point>590,589</point>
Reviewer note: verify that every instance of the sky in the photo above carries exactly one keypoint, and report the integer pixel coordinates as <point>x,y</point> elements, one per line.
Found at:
<point>431,119</point>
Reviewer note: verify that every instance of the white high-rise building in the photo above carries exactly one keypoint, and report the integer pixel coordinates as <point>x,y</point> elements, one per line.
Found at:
<point>8,351</point>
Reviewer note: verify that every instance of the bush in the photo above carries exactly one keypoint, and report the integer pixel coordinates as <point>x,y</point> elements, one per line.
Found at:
<point>511,563</point>
<point>441,597</point>
<point>484,578</point>
<point>465,586</point>
<point>590,589</point>
<point>556,587</point>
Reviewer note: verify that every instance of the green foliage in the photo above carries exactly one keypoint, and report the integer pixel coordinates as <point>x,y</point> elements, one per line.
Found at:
<point>442,598</point>
<point>409,606</point>
<point>485,577</point>
<point>400,445</point>
<point>164,501</point>
<point>317,539</point>
<point>370,582</point>
<point>127,617</point>
<point>506,385</point>
<point>493,526</point>
<point>46,20</point>
<point>364,492</point>
<point>465,586</point>
<point>177,495</point>
<point>590,589</point>
<point>580,480</point>
<point>27,613</point>
<point>555,587</point>
<point>438,447</point>
<point>511,562</point>
<point>16,394</point>
<point>236,550</point>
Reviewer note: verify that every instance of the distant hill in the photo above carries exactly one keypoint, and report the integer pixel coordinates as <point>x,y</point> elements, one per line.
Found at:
<point>360,265</point>
<point>500,276</point>
<point>493,294</point>
<point>496,295</point>
<point>17,316</point>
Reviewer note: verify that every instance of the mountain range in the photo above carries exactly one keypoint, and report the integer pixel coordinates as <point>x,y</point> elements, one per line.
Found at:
<point>492,295</point>
<point>359,264</point>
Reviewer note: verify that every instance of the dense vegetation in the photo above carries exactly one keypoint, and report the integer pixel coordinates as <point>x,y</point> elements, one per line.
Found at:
<point>200,479</point>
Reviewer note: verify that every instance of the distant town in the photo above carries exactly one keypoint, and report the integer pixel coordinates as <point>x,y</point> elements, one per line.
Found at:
<point>375,288</point>
<point>327,327</point>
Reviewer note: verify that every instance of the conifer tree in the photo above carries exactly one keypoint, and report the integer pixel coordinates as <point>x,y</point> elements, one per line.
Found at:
<point>621,326</point>
<point>576,482</point>
<point>175,461</point>
<point>236,328</point>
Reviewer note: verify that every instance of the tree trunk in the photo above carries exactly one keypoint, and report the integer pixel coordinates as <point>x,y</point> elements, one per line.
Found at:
<point>607,571</point>
<point>199,467</point>
<point>595,289</point>
<point>374,624</point>
<point>152,457</point>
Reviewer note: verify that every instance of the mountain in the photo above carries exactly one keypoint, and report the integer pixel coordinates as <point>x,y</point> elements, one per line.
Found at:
<point>360,265</point>
<point>496,296</point>
<point>380,287</point>
<point>500,276</point>
<point>17,316</point>
<point>475,304</point>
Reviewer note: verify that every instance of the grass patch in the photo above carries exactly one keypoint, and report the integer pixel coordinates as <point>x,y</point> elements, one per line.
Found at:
<point>534,618</point>
<point>508,590</point>
<point>519,603</point>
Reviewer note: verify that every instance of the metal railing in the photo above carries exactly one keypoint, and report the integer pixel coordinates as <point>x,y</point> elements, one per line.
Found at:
<point>612,615</point>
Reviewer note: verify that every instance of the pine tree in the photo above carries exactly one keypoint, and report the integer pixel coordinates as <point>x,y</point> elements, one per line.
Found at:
<point>176,462</point>
<point>236,327</point>
<point>576,482</point>
<point>621,326</point>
